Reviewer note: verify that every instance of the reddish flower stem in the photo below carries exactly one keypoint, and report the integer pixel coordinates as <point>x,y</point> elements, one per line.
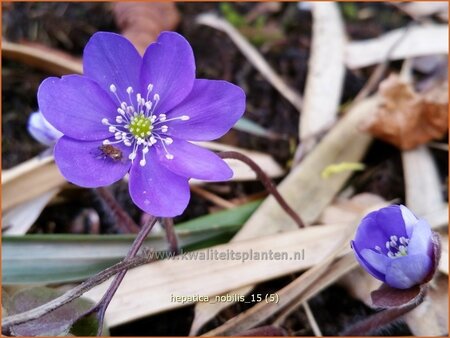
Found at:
<point>266,181</point>
<point>171,236</point>
<point>124,221</point>
<point>102,305</point>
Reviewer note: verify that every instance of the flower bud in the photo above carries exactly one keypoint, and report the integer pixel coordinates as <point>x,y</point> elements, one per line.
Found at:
<point>41,130</point>
<point>396,247</point>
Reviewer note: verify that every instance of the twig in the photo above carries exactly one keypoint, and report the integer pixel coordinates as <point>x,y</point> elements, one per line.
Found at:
<point>124,220</point>
<point>70,295</point>
<point>212,197</point>
<point>381,319</point>
<point>171,236</point>
<point>268,184</point>
<point>312,320</point>
<point>102,305</point>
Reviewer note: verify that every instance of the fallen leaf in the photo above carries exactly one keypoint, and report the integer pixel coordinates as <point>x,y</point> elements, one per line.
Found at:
<point>57,322</point>
<point>388,297</point>
<point>141,22</point>
<point>406,118</point>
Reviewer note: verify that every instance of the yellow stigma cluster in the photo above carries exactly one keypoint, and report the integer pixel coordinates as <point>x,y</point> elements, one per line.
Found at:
<point>141,126</point>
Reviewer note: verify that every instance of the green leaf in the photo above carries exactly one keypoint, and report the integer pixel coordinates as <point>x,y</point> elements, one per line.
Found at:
<point>59,258</point>
<point>248,126</point>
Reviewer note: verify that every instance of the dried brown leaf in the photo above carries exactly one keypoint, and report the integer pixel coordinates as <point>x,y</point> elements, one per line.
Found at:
<point>141,22</point>
<point>408,119</point>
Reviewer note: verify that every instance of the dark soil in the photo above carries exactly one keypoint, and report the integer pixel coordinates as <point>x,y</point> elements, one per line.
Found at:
<point>68,26</point>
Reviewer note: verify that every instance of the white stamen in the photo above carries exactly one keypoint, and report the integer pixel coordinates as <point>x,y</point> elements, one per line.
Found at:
<point>113,88</point>
<point>129,90</point>
<point>105,121</point>
<point>169,156</point>
<point>185,118</point>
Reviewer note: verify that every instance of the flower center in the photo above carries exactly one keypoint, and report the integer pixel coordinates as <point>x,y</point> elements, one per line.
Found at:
<point>141,126</point>
<point>138,125</point>
<point>397,247</point>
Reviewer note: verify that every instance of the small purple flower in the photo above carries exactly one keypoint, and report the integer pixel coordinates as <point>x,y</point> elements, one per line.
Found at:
<point>136,114</point>
<point>395,247</point>
<point>41,130</point>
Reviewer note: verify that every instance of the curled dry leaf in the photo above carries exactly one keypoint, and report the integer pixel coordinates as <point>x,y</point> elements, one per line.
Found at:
<point>387,297</point>
<point>406,118</point>
<point>141,22</point>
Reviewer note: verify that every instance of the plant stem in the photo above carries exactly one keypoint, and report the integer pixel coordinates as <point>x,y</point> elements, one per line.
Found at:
<point>125,222</point>
<point>171,236</point>
<point>266,181</point>
<point>102,305</point>
<point>70,295</point>
<point>382,318</point>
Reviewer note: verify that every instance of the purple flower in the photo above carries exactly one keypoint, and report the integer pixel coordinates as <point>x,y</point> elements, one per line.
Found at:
<point>395,247</point>
<point>135,114</point>
<point>41,130</point>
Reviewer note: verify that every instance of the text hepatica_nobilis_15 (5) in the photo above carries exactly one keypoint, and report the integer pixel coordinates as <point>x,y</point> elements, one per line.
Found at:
<point>136,115</point>
<point>396,247</point>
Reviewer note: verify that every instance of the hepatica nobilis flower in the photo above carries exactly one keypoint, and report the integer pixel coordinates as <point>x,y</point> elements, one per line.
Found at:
<point>396,247</point>
<point>135,114</point>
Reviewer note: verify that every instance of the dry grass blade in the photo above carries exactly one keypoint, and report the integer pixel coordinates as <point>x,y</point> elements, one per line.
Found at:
<point>18,220</point>
<point>253,56</point>
<point>422,181</point>
<point>42,57</point>
<point>30,180</point>
<point>325,75</point>
<point>419,41</point>
<point>419,10</point>
<point>188,277</point>
<point>304,189</point>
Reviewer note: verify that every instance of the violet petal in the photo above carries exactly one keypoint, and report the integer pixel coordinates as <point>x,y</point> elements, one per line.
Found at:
<point>405,272</point>
<point>409,218</point>
<point>76,105</point>
<point>190,160</point>
<point>369,268</point>
<point>390,220</point>
<point>369,234</point>
<point>213,108</point>
<point>42,130</point>
<point>168,65</point>
<point>110,58</point>
<point>157,190</point>
<point>420,241</point>
<point>376,260</point>
<point>84,164</point>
